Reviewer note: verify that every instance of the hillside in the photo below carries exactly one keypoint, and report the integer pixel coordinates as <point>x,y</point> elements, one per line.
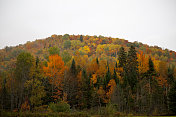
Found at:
<point>86,73</point>
<point>89,45</point>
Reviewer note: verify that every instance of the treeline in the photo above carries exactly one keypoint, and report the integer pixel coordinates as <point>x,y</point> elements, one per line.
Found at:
<point>99,46</point>
<point>133,83</point>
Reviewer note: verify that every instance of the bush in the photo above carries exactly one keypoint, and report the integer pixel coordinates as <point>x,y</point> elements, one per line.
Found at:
<point>42,108</point>
<point>59,107</point>
<point>110,109</point>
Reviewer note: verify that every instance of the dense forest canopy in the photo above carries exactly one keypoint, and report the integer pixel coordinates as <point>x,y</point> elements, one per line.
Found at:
<point>84,72</point>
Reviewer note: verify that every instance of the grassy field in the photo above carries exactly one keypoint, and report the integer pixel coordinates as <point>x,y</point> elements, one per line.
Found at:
<point>68,114</point>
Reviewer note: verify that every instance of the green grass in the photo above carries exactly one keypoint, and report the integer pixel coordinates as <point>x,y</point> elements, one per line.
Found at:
<point>85,113</point>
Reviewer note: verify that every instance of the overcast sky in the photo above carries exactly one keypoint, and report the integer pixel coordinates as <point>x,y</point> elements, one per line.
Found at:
<point>151,22</point>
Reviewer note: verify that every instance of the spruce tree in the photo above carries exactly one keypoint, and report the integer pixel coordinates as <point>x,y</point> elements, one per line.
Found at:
<point>115,77</point>
<point>81,38</point>
<point>73,85</point>
<point>97,60</point>
<point>151,66</point>
<point>73,68</point>
<point>122,57</point>
<point>87,89</point>
<point>107,78</point>
<point>132,67</point>
<point>123,64</point>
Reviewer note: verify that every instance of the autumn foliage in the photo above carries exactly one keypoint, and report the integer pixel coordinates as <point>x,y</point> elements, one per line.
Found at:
<point>87,73</point>
<point>55,72</point>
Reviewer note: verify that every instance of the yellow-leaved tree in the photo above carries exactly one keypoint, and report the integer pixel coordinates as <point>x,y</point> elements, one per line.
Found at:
<point>143,65</point>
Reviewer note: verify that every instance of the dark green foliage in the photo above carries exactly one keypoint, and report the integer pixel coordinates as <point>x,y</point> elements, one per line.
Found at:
<point>8,48</point>
<point>171,74</point>
<point>65,37</point>
<point>59,107</point>
<point>67,44</point>
<point>84,88</point>
<point>48,89</point>
<point>37,61</point>
<point>99,82</point>
<point>115,77</point>
<point>100,36</point>
<point>107,78</point>
<point>151,66</point>
<point>72,85</point>
<point>97,61</point>
<point>23,67</point>
<point>73,68</point>
<point>5,96</point>
<point>87,89</point>
<point>16,52</point>
<point>172,99</point>
<point>54,50</point>
<point>66,57</point>
<point>81,38</point>
<point>122,61</point>
<point>132,67</point>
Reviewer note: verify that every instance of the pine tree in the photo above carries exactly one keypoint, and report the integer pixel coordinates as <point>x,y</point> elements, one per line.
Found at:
<point>107,78</point>
<point>81,38</point>
<point>73,68</point>
<point>151,66</point>
<point>132,67</point>
<point>153,85</point>
<point>115,77</point>
<point>122,58</point>
<point>87,89</point>
<point>123,64</point>
<point>97,60</point>
<point>72,85</point>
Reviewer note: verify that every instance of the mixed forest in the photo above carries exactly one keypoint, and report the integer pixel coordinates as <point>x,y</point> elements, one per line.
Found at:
<point>95,74</point>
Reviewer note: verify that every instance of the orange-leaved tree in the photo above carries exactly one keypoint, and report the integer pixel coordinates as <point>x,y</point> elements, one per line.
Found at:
<point>143,65</point>
<point>55,72</point>
<point>111,88</point>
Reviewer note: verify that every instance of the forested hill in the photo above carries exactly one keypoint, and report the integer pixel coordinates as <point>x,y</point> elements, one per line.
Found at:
<point>93,46</point>
<point>84,72</point>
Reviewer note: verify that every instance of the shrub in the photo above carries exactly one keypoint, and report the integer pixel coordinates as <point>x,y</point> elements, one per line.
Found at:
<point>42,108</point>
<point>59,107</point>
<point>110,109</point>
